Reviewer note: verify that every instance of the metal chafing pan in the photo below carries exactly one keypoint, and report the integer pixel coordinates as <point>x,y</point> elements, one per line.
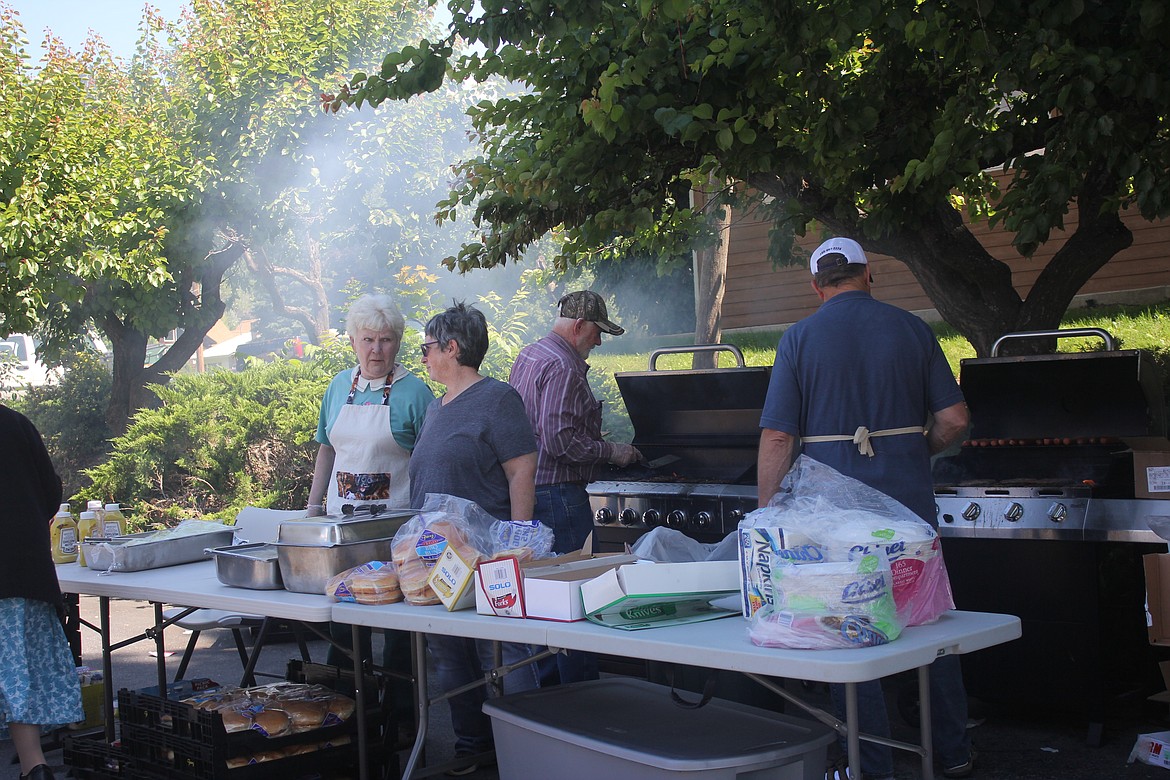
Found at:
<point>116,553</point>
<point>312,550</point>
<point>253,566</point>
<point>331,529</point>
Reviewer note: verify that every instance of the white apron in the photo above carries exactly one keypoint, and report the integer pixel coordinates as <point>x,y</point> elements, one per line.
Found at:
<point>368,466</point>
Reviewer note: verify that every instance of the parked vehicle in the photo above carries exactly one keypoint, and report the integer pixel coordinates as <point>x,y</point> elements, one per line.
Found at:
<point>19,364</point>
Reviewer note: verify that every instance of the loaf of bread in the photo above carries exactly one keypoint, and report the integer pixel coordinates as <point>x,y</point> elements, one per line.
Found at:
<point>304,714</point>
<point>375,582</point>
<point>271,722</point>
<point>340,706</point>
<point>235,720</point>
<point>415,553</point>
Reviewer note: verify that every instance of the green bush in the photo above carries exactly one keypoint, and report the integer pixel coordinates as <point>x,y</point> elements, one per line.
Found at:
<point>221,441</point>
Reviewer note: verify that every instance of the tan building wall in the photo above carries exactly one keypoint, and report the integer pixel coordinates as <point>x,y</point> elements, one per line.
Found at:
<point>760,296</point>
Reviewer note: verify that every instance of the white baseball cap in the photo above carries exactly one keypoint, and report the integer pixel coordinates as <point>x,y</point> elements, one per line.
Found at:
<point>845,247</point>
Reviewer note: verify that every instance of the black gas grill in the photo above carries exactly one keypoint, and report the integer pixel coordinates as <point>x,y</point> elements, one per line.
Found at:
<point>707,424</point>
<point>1039,519</point>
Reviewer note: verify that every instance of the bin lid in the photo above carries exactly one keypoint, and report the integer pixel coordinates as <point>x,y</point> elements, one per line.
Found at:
<point>638,721</point>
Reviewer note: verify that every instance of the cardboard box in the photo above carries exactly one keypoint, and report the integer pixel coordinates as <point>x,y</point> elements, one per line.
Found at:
<point>551,588</point>
<point>451,579</point>
<point>1152,749</point>
<point>645,595</point>
<point>1151,474</point>
<point>93,701</point>
<point>1157,567</point>
<point>499,588</point>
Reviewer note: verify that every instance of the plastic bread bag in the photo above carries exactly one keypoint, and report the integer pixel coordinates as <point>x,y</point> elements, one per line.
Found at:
<point>669,545</point>
<point>825,606</point>
<point>375,582</point>
<point>824,516</point>
<point>420,541</point>
<point>524,540</point>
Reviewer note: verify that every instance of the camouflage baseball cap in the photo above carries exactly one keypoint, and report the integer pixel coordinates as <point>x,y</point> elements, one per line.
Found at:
<point>588,305</point>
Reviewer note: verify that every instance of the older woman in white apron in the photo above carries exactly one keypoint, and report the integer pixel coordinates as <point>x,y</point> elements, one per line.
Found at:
<point>370,417</point>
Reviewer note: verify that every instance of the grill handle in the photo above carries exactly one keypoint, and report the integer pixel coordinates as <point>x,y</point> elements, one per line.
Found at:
<point>734,350</point>
<point>1110,342</point>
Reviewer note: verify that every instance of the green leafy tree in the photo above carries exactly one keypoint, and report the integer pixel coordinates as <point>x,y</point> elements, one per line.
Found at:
<point>131,191</point>
<point>877,120</point>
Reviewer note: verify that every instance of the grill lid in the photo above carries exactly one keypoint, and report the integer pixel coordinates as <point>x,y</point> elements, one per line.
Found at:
<point>1114,393</point>
<point>708,418</point>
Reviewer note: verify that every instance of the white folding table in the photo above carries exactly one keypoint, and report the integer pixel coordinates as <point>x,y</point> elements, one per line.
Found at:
<point>717,644</point>
<point>188,585</point>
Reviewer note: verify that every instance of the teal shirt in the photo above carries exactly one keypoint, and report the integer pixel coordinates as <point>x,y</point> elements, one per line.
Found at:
<point>409,398</point>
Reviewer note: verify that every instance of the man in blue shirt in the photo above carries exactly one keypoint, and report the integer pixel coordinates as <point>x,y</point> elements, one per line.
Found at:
<point>863,387</point>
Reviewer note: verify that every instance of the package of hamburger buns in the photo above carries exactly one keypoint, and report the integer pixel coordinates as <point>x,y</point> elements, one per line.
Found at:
<point>445,521</point>
<point>375,582</point>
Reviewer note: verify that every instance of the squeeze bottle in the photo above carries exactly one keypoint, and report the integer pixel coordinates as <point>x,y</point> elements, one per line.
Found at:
<point>63,536</point>
<point>113,521</point>
<point>88,525</point>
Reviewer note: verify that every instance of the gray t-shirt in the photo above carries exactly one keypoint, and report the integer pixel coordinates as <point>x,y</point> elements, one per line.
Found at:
<point>463,444</point>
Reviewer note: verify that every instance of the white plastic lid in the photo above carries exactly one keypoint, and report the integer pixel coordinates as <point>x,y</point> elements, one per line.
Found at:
<point>93,505</point>
<point>63,508</point>
<point>113,507</point>
<point>88,514</point>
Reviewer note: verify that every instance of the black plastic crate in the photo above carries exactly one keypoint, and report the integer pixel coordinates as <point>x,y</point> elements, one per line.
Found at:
<point>171,739</point>
<point>332,677</point>
<point>90,757</point>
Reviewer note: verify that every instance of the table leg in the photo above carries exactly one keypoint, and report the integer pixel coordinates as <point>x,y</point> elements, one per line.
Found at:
<point>925,727</point>
<point>248,679</point>
<point>160,649</point>
<point>107,664</point>
<point>853,730</point>
<point>418,654</point>
<point>359,696</point>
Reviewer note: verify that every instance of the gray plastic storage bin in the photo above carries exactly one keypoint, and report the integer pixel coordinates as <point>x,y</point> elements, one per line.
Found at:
<point>623,728</point>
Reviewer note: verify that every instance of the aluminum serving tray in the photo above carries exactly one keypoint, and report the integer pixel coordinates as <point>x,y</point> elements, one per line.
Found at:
<point>312,550</point>
<point>255,566</point>
<point>306,568</point>
<point>113,553</point>
<point>332,529</point>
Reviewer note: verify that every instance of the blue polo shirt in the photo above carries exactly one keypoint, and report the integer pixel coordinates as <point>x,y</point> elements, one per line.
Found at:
<point>858,361</point>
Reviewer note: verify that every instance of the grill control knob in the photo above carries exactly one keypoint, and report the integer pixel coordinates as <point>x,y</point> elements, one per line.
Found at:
<point>628,516</point>
<point>1014,512</point>
<point>703,519</point>
<point>603,515</point>
<point>676,519</point>
<point>651,517</point>
<point>1057,512</point>
<point>971,512</point>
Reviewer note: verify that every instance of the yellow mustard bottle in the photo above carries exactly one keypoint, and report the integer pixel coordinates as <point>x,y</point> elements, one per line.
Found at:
<point>113,521</point>
<point>63,536</point>
<point>89,525</point>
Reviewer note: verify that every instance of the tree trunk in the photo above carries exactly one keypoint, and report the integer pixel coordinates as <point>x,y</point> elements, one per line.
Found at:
<point>315,321</point>
<point>131,377</point>
<point>710,284</point>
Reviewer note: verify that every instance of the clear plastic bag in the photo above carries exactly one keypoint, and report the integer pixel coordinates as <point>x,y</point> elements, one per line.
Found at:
<point>825,606</point>
<point>669,545</point>
<point>444,521</point>
<point>824,516</point>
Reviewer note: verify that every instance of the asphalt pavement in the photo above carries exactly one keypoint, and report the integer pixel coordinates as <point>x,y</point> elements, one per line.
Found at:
<point>1040,743</point>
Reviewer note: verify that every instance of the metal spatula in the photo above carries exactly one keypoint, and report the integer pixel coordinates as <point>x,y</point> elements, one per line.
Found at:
<point>665,460</point>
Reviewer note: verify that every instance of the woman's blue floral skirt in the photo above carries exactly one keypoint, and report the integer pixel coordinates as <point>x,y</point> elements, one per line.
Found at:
<point>38,678</point>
